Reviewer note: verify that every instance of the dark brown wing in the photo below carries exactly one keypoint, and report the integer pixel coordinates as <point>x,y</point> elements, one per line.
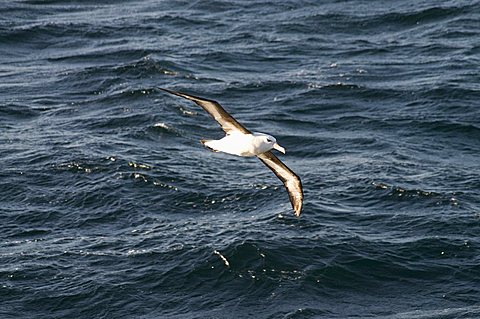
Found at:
<point>288,177</point>
<point>226,121</point>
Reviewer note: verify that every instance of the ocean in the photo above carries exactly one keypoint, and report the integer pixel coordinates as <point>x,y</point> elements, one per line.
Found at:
<point>110,207</point>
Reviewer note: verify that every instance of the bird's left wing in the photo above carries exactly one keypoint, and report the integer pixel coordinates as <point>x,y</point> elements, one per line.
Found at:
<point>226,121</point>
<point>288,177</point>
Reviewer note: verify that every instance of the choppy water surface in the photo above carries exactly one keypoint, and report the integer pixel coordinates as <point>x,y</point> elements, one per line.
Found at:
<point>111,208</point>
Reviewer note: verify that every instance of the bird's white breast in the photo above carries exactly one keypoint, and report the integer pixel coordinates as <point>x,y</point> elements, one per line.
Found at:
<point>240,144</point>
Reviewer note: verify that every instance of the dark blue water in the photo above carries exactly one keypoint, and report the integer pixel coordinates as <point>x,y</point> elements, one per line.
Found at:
<point>111,208</point>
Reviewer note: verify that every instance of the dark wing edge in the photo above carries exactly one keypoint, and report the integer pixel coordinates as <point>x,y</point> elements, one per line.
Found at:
<point>292,182</point>
<point>226,121</point>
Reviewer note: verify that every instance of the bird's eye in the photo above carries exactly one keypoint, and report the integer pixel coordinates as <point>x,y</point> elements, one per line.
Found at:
<point>269,140</point>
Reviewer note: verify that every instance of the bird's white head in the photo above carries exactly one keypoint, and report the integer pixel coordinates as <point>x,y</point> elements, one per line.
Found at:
<point>268,142</point>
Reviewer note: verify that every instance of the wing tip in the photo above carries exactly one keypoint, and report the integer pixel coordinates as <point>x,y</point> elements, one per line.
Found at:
<point>163,89</point>
<point>170,91</point>
<point>297,199</point>
<point>298,209</point>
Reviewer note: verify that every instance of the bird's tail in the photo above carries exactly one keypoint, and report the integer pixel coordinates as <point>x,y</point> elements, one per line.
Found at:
<point>207,144</point>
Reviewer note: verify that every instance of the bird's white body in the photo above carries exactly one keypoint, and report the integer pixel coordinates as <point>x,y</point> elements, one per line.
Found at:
<point>241,144</point>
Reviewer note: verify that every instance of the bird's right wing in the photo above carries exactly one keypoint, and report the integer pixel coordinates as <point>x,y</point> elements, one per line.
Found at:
<point>288,177</point>
<point>226,121</point>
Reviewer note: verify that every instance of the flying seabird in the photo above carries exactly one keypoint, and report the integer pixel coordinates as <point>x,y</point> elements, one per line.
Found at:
<point>240,141</point>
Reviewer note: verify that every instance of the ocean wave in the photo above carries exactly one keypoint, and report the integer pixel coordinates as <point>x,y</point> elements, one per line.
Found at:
<point>17,111</point>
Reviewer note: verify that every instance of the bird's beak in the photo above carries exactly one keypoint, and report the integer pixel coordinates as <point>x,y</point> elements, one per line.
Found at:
<point>279,148</point>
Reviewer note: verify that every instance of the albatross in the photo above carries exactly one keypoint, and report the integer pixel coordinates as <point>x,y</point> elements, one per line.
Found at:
<point>240,141</point>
